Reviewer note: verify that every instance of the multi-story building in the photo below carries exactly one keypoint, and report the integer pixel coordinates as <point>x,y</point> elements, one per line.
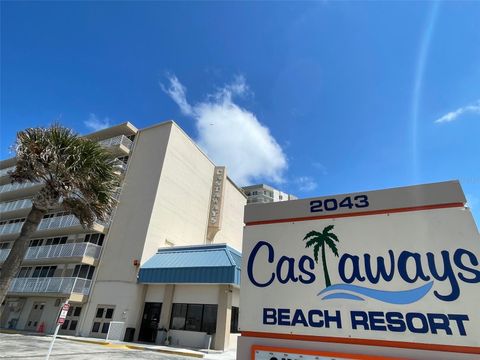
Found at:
<point>262,193</point>
<point>172,198</point>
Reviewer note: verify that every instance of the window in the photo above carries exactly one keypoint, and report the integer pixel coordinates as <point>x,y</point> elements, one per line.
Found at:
<point>234,322</point>
<point>65,325</point>
<point>194,317</point>
<point>57,240</point>
<point>96,327</point>
<point>4,245</point>
<point>73,324</point>
<point>94,239</point>
<point>24,272</point>
<point>36,242</point>
<point>83,271</point>
<point>193,320</point>
<point>44,271</point>
<point>109,314</point>
<point>77,311</point>
<point>105,327</point>
<point>99,313</point>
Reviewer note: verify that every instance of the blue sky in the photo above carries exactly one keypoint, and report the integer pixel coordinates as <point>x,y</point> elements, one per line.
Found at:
<point>312,97</point>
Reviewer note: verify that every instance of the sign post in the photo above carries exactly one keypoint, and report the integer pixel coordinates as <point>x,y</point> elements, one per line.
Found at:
<point>392,273</point>
<point>60,321</point>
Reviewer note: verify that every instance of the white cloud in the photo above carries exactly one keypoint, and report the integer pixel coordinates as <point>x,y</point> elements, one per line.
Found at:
<point>453,115</point>
<point>232,135</point>
<point>96,124</point>
<point>306,183</point>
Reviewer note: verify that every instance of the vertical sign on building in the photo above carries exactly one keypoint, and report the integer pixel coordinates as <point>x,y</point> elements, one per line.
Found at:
<point>216,202</point>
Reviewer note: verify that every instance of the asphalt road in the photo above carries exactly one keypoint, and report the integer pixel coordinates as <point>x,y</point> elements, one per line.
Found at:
<point>17,346</point>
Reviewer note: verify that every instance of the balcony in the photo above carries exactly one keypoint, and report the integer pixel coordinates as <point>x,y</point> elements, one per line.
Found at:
<point>15,190</point>
<point>78,252</point>
<point>51,286</point>
<point>119,145</point>
<point>4,177</point>
<point>52,226</point>
<point>15,207</point>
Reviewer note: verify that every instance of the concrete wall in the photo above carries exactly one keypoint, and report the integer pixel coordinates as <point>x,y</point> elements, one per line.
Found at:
<point>196,294</point>
<point>164,201</point>
<point>49,314</point>
<point>116,278</point>
<point>155,293</point>
<point>180,213</point>
<point>231,232</point>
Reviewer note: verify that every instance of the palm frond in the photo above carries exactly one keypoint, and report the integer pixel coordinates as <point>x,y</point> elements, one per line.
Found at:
<point>315,251</point>
<point>312,233</point>
<point>332,246</point>
<point>327,229</point>
<point>333,236</point>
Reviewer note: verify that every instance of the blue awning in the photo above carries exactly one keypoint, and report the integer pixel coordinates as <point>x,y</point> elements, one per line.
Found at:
<point>205,264</point>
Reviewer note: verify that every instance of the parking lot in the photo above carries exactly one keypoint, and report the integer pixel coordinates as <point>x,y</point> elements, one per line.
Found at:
<point>18,346</point>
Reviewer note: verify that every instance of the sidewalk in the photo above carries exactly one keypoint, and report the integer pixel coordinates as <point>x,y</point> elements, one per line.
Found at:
<point>171,350</point>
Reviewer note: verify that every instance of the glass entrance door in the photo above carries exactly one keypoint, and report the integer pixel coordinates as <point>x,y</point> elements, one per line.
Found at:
<point>150,319</point>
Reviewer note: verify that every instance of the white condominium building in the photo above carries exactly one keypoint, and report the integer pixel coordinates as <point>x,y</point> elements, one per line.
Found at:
<point>176,206</point>
<point>262,193</point>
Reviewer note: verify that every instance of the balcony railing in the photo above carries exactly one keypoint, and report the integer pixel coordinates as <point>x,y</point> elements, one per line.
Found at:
<point>15,205</point>
<point>56,222</point>
<point>58,251</point>
<point>58,285</point>
<point>5,171</point>
<point>10,228</point>
<point>16,186</point>
<point>117,140</point>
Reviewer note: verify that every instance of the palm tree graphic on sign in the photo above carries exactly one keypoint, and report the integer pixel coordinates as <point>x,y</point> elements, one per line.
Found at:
<point>320,240</point>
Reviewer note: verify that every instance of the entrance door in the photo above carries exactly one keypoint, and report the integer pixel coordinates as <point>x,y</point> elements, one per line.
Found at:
<point>101,323</point>
<point>151,316</point>
<point>35,315</point>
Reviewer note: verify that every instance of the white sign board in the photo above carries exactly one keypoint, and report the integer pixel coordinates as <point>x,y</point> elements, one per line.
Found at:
<point>398,265</point>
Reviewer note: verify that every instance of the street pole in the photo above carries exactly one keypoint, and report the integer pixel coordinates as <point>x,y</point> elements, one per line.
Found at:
<point>55,335</point>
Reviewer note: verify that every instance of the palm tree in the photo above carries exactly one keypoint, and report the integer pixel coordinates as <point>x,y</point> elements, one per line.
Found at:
<point>319,240</point>
<point>78,176</point>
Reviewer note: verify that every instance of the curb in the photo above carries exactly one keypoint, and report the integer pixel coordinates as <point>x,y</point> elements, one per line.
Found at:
<point>133,347</point>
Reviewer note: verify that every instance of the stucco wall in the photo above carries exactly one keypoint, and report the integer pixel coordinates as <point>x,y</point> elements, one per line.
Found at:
<point>196,294</point>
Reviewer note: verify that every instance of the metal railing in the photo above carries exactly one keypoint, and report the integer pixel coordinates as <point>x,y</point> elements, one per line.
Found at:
<point>15,205</point>
<point>10,228</point>
<point>117,140</point>
<point>16,186</point>
<point>58,251</point>
<point>5,171</point>
<point>56,222</point>
<point>61,285</point>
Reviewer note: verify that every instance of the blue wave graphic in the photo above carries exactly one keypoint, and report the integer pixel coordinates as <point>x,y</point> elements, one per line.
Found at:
<point>341,295</point>
<point>401,297</point>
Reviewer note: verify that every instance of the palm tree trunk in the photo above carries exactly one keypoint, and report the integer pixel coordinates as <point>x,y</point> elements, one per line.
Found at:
<point>12,264</point>
<point>325,269</point>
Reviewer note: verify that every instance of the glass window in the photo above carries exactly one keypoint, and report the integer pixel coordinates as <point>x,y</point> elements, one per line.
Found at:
<point>193,321</point>
<point>234,322</point>
<point>24,271</point>
<point>109,314</point>
<point>70,311</point>
<point>77,311</point>
<point>209,319</point>
<point>65,324</point>
<point>105,327</point>
<point>73,325</point>
<point>99,313</point>
<point>179,311</point>
<point>96,326</point>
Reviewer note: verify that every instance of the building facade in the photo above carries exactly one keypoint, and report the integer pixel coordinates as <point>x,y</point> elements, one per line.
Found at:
<point>171,196</point>
<point>262,193</point>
